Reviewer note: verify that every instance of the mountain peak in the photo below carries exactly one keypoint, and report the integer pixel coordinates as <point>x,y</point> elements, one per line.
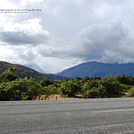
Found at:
<point>34,66</point>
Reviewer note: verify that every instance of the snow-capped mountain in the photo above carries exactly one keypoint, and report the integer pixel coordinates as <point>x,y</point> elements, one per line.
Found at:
<point>34,66</point>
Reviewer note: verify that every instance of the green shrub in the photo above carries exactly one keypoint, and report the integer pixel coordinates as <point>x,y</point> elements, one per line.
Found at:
<point>125,88</point>
<point>131,92</point>
<point>94,92</point>
<point>69,88</point>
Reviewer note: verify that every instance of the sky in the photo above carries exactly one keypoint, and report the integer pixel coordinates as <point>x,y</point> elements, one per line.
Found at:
<point>58,34</point>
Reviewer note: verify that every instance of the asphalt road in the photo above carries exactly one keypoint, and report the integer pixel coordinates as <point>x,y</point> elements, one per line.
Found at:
<point>83,116</point>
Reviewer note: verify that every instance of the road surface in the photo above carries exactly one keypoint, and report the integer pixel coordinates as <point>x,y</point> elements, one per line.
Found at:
<point>81,116</point>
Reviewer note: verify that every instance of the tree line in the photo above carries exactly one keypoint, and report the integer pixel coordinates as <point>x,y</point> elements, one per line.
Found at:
<point>14,88</point>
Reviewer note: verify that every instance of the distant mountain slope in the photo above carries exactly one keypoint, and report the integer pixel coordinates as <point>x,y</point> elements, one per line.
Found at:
<point>34,66</point>
<point>98,69</point>
<point>22,71</point>
<point>57,77</point>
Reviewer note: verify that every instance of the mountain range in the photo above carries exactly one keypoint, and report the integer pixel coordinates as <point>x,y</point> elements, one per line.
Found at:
<point>90,69</point>
<point>99,69</point>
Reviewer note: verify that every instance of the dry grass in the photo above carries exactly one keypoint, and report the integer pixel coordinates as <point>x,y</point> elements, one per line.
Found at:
<point>127,94</point>
<point>60,97</point>
<point>56,96</point>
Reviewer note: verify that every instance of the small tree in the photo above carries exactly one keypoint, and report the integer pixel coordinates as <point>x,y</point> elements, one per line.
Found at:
<point>69,88</point>
<point>9,75</point>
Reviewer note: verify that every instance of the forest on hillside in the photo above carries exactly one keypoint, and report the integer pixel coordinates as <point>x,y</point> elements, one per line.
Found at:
<point>14,88</point>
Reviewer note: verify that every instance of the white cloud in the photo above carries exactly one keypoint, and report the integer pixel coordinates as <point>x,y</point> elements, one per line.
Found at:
<point>27,32</point>
<point>29,26</point>
<point>24,2</point>
<point>5,4</point>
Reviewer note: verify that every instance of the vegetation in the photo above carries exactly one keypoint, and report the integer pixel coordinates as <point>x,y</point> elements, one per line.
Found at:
<point>131,92</point>
<point>57,77</point>
<point>14,88</point>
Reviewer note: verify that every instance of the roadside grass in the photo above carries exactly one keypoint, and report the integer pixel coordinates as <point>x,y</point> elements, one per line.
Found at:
<point>130,92</point>
<point>78,96</point>
<point>56,96</point>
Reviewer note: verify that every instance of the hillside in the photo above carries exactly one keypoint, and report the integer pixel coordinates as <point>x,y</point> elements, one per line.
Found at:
<point>99,69</point>
<point>22,71</point>
<point>57,77</point>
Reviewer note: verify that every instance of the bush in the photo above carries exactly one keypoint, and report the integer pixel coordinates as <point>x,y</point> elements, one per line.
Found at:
<point>94,92</point>
<point>9,75</point>
<point>102,91</point>
<point>131,92</point>
<point>69,88</point>
<point>21,89</point>
<point>125,88</point>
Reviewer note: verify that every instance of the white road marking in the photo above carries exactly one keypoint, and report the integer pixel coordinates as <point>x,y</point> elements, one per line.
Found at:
<point>130,132</point>
<point>117,110</point>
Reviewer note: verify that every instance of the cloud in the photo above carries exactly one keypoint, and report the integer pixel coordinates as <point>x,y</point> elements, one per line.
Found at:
<point>27,32</point>
<point>6,4</point>
<point>24,2</point>
<point>99,41</point>
<point>26,54</point>
<point>106,43</point>
<point>21,38</point>
<point>95,42</point>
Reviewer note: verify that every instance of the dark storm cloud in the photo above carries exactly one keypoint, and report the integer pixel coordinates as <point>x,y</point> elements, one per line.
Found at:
<point>22,38</point>
<point>101,42</point>
<point>96,42</point>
